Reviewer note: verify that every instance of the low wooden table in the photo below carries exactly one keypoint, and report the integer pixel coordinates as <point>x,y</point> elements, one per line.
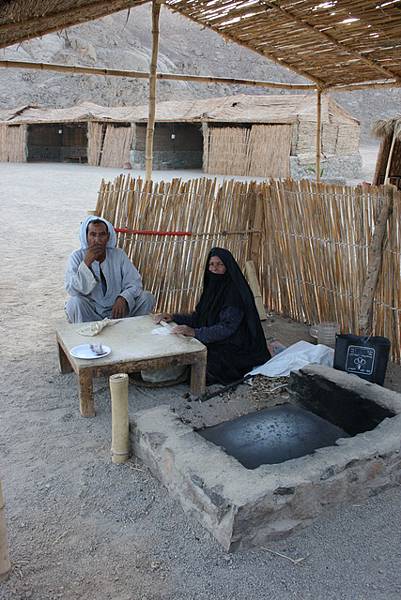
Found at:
<point>133,348</point>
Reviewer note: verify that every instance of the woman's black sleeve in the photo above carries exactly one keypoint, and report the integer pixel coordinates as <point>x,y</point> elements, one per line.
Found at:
<point>229,320</point>
<point>184,319</point>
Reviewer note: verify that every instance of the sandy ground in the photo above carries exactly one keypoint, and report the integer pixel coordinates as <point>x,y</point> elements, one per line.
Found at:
<point>82,528</point>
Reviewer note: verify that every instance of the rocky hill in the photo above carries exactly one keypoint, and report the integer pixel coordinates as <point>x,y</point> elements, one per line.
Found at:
<point>123,41</point>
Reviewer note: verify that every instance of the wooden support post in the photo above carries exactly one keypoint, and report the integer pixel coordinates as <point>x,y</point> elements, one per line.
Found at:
<point>389,159</point>
<point>152,90</point>
<point>252,278</point>
<point>85,390</point>
<point>63,362</point>
<point>198,374</point>
<point>5,565</point>
<point>374,263</point>
<point>318,133</point>
<point>119,418</point>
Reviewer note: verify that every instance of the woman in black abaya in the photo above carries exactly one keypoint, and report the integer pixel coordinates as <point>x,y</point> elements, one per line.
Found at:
<point>225,320</point>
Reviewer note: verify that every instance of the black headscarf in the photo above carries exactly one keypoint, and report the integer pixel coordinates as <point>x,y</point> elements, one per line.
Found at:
<point>246,347</point>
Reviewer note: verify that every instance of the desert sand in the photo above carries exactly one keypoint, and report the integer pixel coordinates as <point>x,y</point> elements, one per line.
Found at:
<point>82,528</point>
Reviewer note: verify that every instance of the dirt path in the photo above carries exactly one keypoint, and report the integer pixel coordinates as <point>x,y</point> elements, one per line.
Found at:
<point>82,528</point>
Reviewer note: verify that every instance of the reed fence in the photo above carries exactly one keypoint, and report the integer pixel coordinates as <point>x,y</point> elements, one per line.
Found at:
<point>13,143</point>
<point>310,243</point>
<point>202,213</point>
<point>258,151</point>
<point>315,250</point>
<point>108,145</point>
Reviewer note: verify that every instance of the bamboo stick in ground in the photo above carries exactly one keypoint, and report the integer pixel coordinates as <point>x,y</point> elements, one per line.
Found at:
<point>254,285</point>
<point>5,565</point>
<point>389,159</point>
<point>119,417</point>
<point>374,263</point>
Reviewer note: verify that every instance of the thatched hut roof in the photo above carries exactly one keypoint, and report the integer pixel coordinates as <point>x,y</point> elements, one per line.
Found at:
<point>242,108</point>
<point>86,111</point>
<point>331,43</point>
<point>387,127</point>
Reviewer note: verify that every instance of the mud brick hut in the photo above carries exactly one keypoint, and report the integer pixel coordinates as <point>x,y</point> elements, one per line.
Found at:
<point>267,136</point>
<point>388,164</point>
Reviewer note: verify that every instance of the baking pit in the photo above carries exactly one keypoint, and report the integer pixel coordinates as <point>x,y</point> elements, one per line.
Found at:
<point>267,474</point>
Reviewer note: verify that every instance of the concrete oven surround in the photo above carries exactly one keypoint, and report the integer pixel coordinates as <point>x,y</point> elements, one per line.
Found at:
<point>244,508</point>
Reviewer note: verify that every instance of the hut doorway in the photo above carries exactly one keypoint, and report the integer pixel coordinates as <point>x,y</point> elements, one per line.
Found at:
<point>175,146</point>
<point>58,142</point>
<point>256,150</point>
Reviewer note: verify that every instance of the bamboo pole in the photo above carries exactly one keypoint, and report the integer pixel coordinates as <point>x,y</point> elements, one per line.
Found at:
<point>11,64</point>
<point>318,133</point>
<point>371,85</point>
<point>375,258</point>
<point>119,418</point>
<point>252,278</point>
<point>150,128</point>
<point>389,159</point>
<point>5,565</point>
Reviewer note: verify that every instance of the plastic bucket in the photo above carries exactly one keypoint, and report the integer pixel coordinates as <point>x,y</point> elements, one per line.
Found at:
<point>325,332</point>
<point>366,357</point>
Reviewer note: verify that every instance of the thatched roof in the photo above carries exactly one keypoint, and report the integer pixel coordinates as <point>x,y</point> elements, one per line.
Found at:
<point>387,127</point>
<point>86,111</point>
<point>25,19</point>
<point>330,42</point>
<point>242,108</point>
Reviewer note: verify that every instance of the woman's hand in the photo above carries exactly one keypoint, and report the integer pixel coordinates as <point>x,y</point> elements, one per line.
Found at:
<point>162,317</point>
<point>183,330</point>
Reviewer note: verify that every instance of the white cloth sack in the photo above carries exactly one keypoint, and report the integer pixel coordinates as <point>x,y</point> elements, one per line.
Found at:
<point>295,357</point>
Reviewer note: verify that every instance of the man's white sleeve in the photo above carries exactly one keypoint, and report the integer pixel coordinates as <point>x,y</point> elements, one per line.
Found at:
<point>79,279</point>
<point>131,285</point>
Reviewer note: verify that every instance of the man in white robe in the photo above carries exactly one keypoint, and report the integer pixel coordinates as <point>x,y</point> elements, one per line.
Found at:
<point>100,278</point>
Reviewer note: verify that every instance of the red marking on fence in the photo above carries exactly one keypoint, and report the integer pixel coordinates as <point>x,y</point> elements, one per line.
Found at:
<point>146,232</point>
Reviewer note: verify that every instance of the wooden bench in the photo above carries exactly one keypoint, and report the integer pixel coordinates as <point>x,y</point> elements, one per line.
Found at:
<point>133,348</point>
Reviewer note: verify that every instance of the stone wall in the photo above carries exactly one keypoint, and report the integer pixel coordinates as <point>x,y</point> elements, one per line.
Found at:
<point>332,167</point>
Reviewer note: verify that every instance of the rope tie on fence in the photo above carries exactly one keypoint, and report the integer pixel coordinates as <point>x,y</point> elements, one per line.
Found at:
<point>318,286</point>
<point>326,193</point>
<point>337,292</point>
<point>313,238</point>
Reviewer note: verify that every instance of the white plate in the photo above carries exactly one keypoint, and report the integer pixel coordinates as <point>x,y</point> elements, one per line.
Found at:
<point>84,351</point>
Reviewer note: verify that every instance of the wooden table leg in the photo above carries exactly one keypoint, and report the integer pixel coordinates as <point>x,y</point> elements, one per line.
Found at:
<point>64,363</point>
<point>86,402</point>
<point>198,374</point>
